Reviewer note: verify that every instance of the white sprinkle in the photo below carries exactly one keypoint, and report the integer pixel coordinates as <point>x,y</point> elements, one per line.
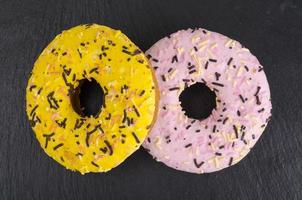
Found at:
<point>228,43</point>
<point>195,39</point>
<point>239,71</point>
<point>180,50</point>
<point>214,46</point>
<point>203,43</point>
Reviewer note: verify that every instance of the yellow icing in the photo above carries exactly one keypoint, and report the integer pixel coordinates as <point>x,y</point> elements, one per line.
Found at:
<point>109,57</point>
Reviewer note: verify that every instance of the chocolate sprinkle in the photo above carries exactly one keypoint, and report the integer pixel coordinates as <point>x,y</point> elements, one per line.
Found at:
<point>80,54</point>
<point>241,98</point>
<point>206,65</point>
<point>53,103</point>
<point>188,145</point>
<point>58,146</point>
<point>258,90</point>
<point>47,138</point>
<point>231,161</point>
<point>225,120</point>
<point>174,88</point>
<point>230,60</point>
<point>212,60</point>
<point>135,137</point>
<point>238,113</point>
<point>93,163</point>
<point>32,87</point>
<point>214,129</point>
<point>136,111</point>
<point>217,75</point>
<point>235,130</point>
<point>218,84</point>
<point>198,165</point>
<point>174,59</point>
<point>109,147</point>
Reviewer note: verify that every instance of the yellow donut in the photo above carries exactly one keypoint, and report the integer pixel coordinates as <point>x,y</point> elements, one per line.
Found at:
<point>95,143</point>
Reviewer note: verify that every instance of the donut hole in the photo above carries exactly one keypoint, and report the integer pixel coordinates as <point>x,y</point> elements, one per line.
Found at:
<point>88,98</point>
<point>197,101</point>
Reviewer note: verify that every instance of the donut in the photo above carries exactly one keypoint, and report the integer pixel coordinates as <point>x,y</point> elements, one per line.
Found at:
<point>91,143</point>
<point>243,104</point>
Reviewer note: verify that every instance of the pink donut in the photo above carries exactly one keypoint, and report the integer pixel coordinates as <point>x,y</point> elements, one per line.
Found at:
<point>243,105</point>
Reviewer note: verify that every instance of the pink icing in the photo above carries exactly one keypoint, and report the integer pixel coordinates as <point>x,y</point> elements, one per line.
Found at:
<point>224,138</point>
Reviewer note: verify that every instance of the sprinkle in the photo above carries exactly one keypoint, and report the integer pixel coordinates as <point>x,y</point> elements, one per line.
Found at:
<point>246,68</point>
<point>58,146</point>
<point>231,161</point>
<point>260,69</point>
<point>108,117</point>
<point>253,136</point>
<point>188,145</point>
<point>258,101</point>
<point>124,116</point>
<point>221,147</point>
<point>174,88</point>
<point>135,138</point>
<point>225,120</point>
<point>32,87</point>
<point>195,48</point>
<point>33,110</point>
<point>47,138</point>
<point>174,59</point>
<point>206,65</point>
<point>136,111</point>
<point>218,154</point>
<point>109,147</point>
<point>89,133</point>
<point>80,54</point>
<point>238,113</point>
<point>53,103</point>
<point>261,110</point>
<point>191,67</point>
<point>212,60</point>
<point>198,165</point>
<point>241,97</point>
<point>257,92</point>
<point>94,70</point>
<point>235,130</point>
<point>230,60</point>
<point>193,71</point>
<point>149,140</point>
<point>214,129</point>
<point>62,124</point>
<point>188,127</point>
<point>93,163</point>
<point>134,53</point>
<point>217,75</point>
<point>142,93</point>
<point>218,84</point>
<point>163,77</point>
<point>39,91</point>
<point>169,70</point>
<point>242,136</point>
<point>197,131</point>
<point>155,60</point>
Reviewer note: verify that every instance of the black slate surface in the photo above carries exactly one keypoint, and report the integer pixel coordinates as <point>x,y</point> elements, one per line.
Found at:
<point>272,29</point>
